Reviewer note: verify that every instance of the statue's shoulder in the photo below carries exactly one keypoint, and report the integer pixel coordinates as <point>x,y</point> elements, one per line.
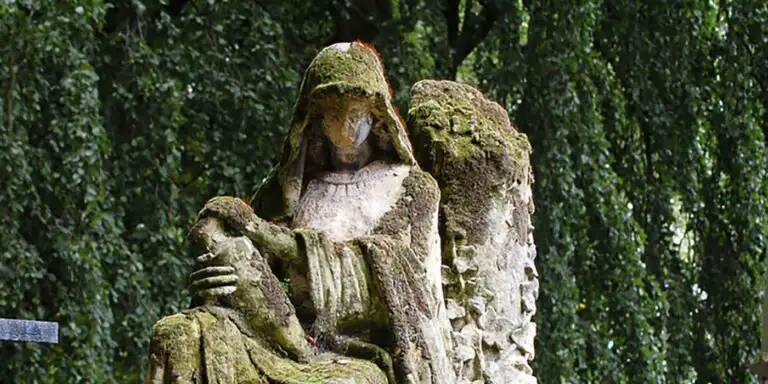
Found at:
<point>416,206</point>
<point>420,185</point>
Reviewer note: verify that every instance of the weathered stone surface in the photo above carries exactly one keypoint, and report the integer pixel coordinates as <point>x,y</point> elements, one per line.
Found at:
<point>482,166</point>
<point>342,247</point>
<point>349,205</point>
<point>206,346</point>
<point>350,219</point>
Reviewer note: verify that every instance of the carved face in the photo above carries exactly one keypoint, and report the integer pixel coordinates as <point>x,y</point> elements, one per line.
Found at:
<point>346,123</point>
<point>347,127</point>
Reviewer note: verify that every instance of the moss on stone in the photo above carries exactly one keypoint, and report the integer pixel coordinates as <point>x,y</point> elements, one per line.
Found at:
<point>468,144</point>
<point>464,119</point>
<point>401,246</point>
<point>356,70</point>
<point>411,214</point>
<point>175,347</point>
<point>202,346</point>
<point>354,73</point>
<point>232,210</point>
<point>344,71</point>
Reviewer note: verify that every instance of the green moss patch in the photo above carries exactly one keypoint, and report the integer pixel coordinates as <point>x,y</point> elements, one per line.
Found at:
<point>468,144</point>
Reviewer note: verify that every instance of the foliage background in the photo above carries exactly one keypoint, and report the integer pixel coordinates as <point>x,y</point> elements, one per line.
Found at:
<point>649,122</point>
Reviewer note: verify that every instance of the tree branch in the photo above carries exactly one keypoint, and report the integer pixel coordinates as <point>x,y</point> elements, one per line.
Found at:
<point>175,7</point>
<point>474,31</point>
<point>118,17</point>
<point>362,22</point>
<point>451,12</point>
<point>384,9</point>
<point>9,92</point>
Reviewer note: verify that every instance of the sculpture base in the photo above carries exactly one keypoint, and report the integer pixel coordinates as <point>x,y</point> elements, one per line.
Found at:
<point>201,347</point>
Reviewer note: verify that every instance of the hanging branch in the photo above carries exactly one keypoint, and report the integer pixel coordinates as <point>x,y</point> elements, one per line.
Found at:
<point>474,29</point>
<point>363,19</point>
<point>451,13</point>
<point>118,17</point>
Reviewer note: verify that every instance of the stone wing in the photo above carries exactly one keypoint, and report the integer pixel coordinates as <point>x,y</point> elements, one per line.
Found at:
<point>481,163</point>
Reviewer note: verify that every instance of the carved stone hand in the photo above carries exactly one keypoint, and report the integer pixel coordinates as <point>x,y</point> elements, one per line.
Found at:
<point>214,275</point>
<point>232,210</point>
<point>234,267</point>
<point>267,237</point>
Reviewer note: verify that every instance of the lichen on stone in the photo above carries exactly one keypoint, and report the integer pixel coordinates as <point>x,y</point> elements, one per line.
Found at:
<point>233,210</point>
<point>352,71</point>
<point>230,358</point>
<point>460,113</point>
<point>468,144</point>
<point>481,164</point>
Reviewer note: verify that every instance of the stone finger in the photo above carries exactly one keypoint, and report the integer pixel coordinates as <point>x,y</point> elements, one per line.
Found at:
<point>211,271</point>
<point>214,281</point>
<point>217,291</point>
<point>205,258</point>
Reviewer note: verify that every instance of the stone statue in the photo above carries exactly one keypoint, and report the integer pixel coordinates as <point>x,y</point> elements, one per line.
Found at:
<point>336,272</point>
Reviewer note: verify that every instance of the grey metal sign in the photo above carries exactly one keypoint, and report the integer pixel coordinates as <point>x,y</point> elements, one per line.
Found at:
<point>29,330</point>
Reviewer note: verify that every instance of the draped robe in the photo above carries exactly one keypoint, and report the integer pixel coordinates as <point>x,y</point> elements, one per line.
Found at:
<point>372,283</point>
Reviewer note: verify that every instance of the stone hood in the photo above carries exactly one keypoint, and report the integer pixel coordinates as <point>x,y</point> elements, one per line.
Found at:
<point>340,70</point>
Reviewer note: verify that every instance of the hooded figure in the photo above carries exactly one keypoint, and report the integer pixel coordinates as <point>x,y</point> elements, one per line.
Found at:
<point>352,222</point>
<point>338,74</point>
